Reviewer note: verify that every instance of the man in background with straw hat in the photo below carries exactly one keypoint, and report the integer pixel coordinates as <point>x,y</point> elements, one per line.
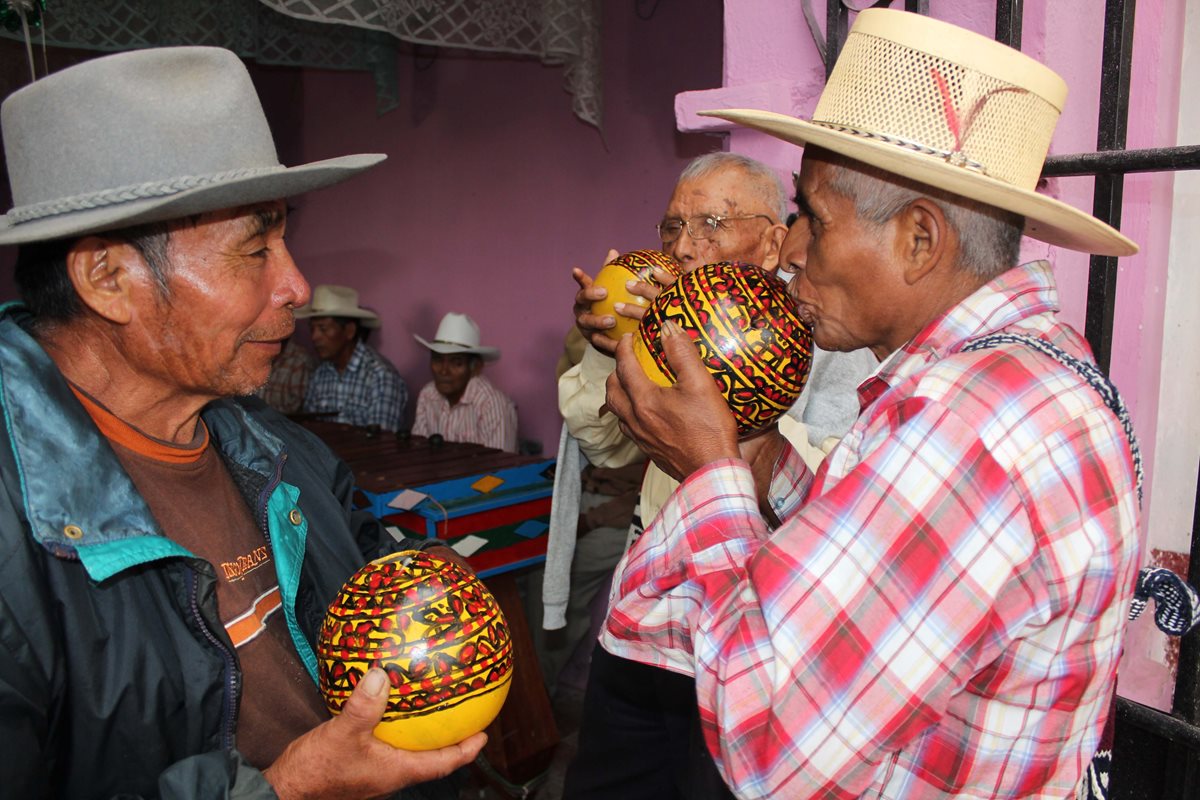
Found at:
<point>940,612</point>
<point>353,383</point>
<point>459,404</point>
<point>167,551</point>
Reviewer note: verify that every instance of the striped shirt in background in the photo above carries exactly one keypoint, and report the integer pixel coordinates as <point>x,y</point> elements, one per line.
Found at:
<point>941,612</point>
<point>369,392</point>
<point>483,415</point>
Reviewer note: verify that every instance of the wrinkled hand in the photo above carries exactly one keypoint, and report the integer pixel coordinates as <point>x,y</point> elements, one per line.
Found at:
<point>342,759</point>
<point>681,427</point>
<point>593,326</point>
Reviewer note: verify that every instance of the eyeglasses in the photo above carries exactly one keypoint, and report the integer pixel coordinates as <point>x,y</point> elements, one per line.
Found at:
<point>703,226</point>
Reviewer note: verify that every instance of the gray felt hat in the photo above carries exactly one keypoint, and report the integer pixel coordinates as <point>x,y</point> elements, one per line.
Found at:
<point>144,136</point>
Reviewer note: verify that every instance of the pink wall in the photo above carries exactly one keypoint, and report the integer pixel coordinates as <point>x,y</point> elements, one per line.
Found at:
<point>772,63</point>
<point>492,190</point>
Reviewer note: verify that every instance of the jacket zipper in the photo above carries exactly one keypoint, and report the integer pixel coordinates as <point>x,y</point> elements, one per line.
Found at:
<point>265,495</point>
<point>229,692</point>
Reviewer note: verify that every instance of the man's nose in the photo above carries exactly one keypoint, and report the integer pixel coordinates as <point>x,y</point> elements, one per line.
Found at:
<point>683,249</point>
<point>793,265</point>
<point>293,287</point>
<point>794,260</point>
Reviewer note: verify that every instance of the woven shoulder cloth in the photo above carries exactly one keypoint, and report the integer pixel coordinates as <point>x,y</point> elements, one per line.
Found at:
<point>1176,603</point>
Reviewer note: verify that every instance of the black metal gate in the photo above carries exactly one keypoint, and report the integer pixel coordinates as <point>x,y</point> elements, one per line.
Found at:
<point>1156,756</point>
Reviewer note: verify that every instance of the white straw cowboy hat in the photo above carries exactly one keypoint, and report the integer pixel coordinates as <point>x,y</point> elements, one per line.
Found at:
<point>948,108</point>
<point>337,301</point>
<point>144,136</point>
<point>458,333</point>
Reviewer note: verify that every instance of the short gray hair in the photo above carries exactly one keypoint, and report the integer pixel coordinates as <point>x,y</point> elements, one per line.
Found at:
<point>989,238</point>
<point>764,181</point>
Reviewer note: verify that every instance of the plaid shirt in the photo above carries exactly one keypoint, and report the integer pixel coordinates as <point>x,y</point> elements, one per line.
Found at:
<point>288,382</point>
<point>941,612</point>
<point>369,392</point>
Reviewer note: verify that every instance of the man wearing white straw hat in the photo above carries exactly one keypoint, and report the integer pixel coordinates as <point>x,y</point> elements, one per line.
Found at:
<point>354,383</point>
<point>168,551</point>
<point>940,612</point>
<point>459,404</point>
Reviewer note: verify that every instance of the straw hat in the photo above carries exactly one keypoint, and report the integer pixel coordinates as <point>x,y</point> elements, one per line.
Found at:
<point>949,108</point>
<point>144,136</point>
<point>458,333</point>
<point>337,301</point>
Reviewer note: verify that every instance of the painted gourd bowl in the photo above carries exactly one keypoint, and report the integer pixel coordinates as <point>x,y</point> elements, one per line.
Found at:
<point>744,324</point>
<point>634,265</point>
<point>439,634</point>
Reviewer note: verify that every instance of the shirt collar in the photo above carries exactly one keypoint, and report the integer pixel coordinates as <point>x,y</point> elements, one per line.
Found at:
<point>356,358</point>
<point>1016,294</point>
<point>474,390</point>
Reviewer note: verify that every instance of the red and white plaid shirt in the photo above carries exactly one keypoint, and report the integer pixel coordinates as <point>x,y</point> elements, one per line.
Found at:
<point>941,612</point>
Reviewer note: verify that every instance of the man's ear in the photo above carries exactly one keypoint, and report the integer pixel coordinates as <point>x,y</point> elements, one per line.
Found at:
<point>924,239</point>
<point>476,365</point>
<point>99,269</point>
<point>774,243</point>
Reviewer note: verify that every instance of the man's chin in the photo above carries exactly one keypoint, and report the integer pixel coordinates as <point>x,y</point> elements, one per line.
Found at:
<point>249,380</point>
<point>257,386</point>
<point>820,339</point>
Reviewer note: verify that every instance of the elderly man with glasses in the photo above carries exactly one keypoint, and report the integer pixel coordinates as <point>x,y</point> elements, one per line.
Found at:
<point>640,735</point>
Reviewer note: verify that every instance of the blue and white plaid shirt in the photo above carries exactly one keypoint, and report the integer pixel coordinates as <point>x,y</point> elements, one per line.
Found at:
<point>369,392</point>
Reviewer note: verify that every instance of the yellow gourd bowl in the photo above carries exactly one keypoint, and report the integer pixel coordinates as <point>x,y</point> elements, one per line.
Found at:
<point>744,324</point>
<point>437,632</point>
<point>635,265</point>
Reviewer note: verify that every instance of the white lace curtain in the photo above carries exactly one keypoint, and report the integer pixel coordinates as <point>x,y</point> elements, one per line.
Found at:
<point>347,34</point>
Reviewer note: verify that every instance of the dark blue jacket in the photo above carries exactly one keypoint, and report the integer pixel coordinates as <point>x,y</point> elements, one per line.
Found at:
<point>116,675</point>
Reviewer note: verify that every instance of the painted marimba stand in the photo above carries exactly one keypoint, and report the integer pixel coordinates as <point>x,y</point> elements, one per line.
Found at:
<point>493,507</point>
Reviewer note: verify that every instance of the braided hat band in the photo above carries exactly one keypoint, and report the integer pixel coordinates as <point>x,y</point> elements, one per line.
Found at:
<point>144,136</point>
<point>125,194</point>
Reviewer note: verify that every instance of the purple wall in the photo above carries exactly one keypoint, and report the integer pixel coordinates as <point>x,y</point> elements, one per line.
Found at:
<point>492,190</point>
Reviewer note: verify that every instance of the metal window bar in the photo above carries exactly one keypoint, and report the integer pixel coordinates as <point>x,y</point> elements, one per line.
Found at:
<point>1009,15</point>
<point>1157,755</point>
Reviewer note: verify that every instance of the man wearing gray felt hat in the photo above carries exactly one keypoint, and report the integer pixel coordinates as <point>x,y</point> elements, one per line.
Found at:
<point>168,544</point>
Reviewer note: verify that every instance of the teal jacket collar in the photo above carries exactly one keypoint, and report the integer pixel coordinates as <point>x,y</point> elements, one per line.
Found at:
<point>77,498</point>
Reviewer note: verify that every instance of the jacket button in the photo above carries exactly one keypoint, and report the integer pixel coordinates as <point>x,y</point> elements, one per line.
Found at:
<point>73,532</point>
<point>295,517</point>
